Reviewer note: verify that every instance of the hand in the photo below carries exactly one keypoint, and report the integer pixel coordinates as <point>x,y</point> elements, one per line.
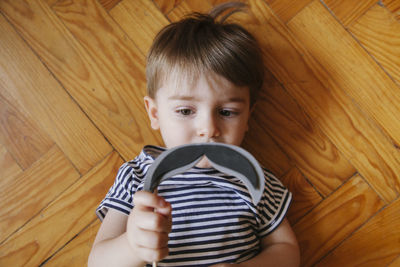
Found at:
<point>148,226</point>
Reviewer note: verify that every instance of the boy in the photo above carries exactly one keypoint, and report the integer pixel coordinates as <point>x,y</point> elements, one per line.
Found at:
<point>203,77</point>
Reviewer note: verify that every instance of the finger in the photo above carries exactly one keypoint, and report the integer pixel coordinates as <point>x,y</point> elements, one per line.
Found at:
<point>152,255</point>
<point>150,239</point>
<point>146,201</point>
<point>151,221</point>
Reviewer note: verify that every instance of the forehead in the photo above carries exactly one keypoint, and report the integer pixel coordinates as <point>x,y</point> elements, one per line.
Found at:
<point>188,83</point>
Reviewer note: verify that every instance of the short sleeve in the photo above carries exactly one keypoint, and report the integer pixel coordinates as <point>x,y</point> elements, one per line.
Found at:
<point>274,204</point>
<point>120,195</point>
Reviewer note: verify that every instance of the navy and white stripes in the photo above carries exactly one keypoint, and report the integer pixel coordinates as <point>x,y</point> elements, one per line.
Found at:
<point>214,219</point>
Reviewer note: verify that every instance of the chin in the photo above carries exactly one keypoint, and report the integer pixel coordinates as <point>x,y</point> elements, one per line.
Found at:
<point>204,163</point>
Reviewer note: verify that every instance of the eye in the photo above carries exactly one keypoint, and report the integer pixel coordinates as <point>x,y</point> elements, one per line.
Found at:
<point>227,113</point>
<point>185,111</point>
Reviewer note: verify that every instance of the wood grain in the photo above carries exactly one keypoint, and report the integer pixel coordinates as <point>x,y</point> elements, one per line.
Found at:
<point>22,137</point>
<point>76,252</point>
<point>117,105</point>
<point>334,112</point>
<point>8,166</point>
<point>32,190</point>
<point>287,9</point>
<point>62,219</point>
<point>187,7</point>
<point>379,32</point>
<point>265,150</point>
<point>141,12</point>
<point>166,6</point>
<point>26,79</point>
<point>96,86</point>
<point>383,229</point>
<point>72,78</point>
<point>305,197</point>
<point>349,66</point>
<point>302,140</point>
<point>393,6</point>
<point>348,11</point>
<point>109,4</point>
<point>395,263</point>
<point>318,232</point>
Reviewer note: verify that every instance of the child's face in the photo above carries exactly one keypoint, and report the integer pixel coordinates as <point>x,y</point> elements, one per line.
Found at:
<point>206,109</point>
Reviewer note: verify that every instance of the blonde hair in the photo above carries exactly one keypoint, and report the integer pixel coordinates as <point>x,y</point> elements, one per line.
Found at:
<point>200,43</point>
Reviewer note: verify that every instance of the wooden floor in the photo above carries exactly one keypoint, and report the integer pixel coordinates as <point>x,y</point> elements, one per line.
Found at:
<point>328,120</point>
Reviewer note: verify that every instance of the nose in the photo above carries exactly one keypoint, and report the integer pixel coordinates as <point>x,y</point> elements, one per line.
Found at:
<point>208,126</point>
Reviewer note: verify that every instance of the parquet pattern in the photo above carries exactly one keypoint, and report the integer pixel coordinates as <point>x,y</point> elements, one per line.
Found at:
<point>327,122</point>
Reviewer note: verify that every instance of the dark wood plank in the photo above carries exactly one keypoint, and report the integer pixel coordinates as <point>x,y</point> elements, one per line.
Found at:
<point>261,145</point>
<point>305,197</point>
<point>109,4</point>
<point>301,139</point>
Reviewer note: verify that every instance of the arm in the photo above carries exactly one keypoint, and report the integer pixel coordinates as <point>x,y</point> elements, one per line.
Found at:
<point>136,239</point>
<point>278,249</point>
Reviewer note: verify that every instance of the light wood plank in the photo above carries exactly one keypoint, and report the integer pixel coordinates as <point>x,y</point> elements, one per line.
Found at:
<point>379,32</point>
<point>377,243</point>
<point>351,205</point>
<point>287,9</point>
<point>76,252</point>
<point>189,6</point>
<point>143,13</point>
<point>393,6</point>
<point>294,131</point>
<point>117,105</point>
<point>348,11</point>
<point>8,166</point>
<point>349,66</point>
<point>395,263</point>
<point>50,2</point>
<point>35,188</point>
<point>111,96</point>
<point>31,86</point>
<point>305,197</point>
<point>62,219</point>
<point>167,5</point>
<point>21,135</point>
<point>369,151</point>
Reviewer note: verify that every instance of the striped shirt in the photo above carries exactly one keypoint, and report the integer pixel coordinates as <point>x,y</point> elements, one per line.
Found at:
<point>213,217</point>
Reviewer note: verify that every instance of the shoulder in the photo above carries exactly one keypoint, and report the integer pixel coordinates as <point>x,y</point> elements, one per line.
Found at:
<point>139,165</point>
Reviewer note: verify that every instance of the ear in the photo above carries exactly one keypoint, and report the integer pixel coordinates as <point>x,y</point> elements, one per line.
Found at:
<point>152,111</point>
<point>252,108</point>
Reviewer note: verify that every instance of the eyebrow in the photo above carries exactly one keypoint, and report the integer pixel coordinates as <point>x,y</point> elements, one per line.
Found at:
<point>189,97</point>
